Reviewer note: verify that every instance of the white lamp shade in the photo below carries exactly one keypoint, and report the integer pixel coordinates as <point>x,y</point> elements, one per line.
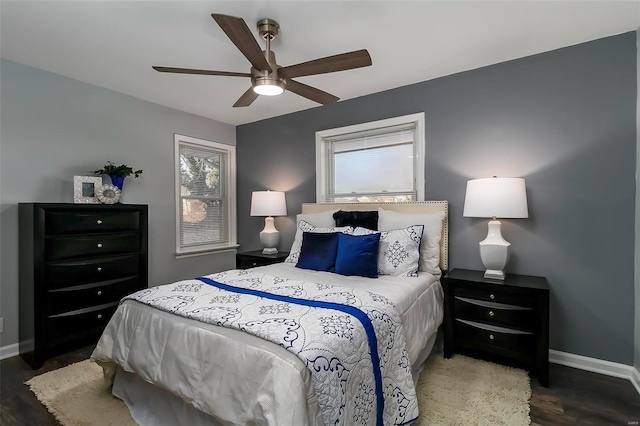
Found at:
<point>268,203</point>
<point>496,197</point>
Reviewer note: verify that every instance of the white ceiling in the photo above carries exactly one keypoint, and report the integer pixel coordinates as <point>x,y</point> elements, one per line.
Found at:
<point>114,44</point>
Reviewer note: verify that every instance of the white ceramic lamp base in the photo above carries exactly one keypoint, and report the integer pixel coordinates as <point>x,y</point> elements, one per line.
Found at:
<point>269,237</point>
<point>494,252</point>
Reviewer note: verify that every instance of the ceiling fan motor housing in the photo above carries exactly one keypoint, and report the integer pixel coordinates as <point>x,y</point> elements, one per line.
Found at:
<point>266,78</point>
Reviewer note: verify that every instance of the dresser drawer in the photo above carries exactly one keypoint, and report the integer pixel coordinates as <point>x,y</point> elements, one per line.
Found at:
<point>86,295</point>
<point>90,245</point>
<point>70,273</point>
<point>520,317</point>
<point>514,344</point>
<point>90,222</point>
<point>497,296</point>
<point>82,322</point>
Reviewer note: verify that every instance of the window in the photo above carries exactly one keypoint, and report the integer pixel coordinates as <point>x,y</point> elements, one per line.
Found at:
<point>205,195</point>
<point>381,161</point>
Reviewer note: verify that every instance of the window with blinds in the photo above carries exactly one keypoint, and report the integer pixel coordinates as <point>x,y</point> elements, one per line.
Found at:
<point>205,199</point>
<point>373,162</point>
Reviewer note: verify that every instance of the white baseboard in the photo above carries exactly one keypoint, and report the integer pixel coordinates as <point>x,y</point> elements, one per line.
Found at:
<point>596,365</point>
<point>9,351</point>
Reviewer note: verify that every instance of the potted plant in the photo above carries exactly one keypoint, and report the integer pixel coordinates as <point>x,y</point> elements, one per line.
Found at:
<point>117,173</point>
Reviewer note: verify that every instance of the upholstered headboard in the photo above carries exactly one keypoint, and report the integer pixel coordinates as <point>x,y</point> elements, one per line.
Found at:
<point>411,207</point>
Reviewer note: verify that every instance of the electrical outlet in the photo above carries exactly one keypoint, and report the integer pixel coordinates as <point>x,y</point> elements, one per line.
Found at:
<point>1,325</point>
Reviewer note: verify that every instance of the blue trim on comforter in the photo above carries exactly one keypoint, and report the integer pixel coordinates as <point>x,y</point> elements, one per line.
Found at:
<point>351,310</point>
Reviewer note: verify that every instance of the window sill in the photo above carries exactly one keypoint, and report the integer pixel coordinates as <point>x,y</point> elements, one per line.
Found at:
<point>226,249</point>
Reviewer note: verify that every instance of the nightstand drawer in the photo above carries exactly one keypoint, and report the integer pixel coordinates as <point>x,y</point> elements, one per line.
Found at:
<point>518,299</point>
<point>252,259</point>
<point>520,317</point>
<point>514,344</point>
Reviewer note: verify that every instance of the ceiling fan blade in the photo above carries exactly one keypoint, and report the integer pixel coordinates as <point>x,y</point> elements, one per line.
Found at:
<point>202,72</point>
<point>238,32</point>
<point>341,62</point>
<point>312,93</point>
<point>246,99</point>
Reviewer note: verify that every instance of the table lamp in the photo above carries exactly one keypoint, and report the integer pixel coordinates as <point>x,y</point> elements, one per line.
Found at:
<point>495,198</point>
<point>268,203</point>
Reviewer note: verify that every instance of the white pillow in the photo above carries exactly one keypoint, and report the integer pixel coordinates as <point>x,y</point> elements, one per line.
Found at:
<point>319,220</point>
<point>430,245</point>
<point>304,226</point>
<point>399,250</point>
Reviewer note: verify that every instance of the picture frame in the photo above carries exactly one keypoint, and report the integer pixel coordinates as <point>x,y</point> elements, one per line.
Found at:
<point>84,189</point>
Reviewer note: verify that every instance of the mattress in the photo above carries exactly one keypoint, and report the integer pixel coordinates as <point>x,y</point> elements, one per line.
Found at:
<point>237,378</point>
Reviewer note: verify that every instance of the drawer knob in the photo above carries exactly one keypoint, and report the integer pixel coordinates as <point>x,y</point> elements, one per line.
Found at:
<point>99,245</point>
<point>255,263</point>
<point>99,222</point>
<point>100,317</point>
<point>99,293</point>
<point>491,337</point>
<point>491,313</point>
<point>492,296</point>
<point>99,269</point>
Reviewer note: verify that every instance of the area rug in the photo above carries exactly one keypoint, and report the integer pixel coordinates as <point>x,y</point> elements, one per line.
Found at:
<point>456,391</point>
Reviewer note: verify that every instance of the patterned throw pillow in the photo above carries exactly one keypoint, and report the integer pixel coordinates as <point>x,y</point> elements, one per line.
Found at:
<point>304,226</point>
<point>399,251</point>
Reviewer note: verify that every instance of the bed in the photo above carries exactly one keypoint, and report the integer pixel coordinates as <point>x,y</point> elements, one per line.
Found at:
<point>171,369</point>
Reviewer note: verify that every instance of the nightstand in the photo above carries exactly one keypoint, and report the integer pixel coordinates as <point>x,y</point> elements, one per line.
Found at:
<point>502,321</point>
<point>251,259</point>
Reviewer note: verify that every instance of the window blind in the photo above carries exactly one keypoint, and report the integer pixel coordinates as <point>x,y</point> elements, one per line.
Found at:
<point>376,165</point>
<point>203,201</point>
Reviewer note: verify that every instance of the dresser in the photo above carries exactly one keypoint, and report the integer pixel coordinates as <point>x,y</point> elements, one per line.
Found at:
<point>251,259</point>
<point>502,321</point>
<point>76,262</point>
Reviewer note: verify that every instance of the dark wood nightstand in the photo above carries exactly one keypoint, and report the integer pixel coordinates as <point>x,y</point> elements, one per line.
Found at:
<point>502,321</point>
<point>251,259</point>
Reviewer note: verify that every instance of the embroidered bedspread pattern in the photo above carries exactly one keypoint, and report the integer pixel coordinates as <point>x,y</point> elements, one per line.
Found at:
<point>357,365</point>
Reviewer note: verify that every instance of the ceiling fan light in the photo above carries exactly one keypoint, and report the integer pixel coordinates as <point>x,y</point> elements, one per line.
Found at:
<point>268,88</point>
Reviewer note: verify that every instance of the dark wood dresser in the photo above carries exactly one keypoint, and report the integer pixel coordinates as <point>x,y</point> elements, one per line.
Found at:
<point>76,262</point>
<point>502,321</point>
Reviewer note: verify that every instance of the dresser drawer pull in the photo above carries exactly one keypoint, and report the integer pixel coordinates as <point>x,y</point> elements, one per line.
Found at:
<point>492,296</point>
<point>100,317</point>
<point>99,293</point>
<point>491,313</point>
<point>491,337</point>
<point>99,245</point>
<point>99,222</point>
<point>99,269</point>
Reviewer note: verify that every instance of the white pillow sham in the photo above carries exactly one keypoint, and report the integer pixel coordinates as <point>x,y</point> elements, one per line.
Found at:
<point>319,220</point>
<point>304,226</point>
<point>432,233</point>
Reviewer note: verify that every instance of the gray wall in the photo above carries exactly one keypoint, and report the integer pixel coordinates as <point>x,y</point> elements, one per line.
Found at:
<point>637,233</point>
<point>564,120</point>
<point>54,128</point>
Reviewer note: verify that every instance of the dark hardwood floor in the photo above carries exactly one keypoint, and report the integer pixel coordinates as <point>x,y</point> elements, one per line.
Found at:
<point>575,397</point>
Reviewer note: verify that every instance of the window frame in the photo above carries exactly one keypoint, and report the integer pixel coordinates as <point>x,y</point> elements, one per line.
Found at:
<point>230,189</point>
<point>323,138</point>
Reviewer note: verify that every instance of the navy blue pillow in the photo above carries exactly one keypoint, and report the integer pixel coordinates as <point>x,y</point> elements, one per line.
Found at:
<point>358,255</point>
<point>367,220</point>
<point>318,251</point>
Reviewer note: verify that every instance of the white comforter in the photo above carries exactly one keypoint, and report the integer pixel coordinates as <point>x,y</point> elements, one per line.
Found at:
<point>238,378</point>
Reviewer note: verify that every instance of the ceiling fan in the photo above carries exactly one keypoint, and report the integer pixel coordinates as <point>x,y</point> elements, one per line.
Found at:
<point>267,77</point>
